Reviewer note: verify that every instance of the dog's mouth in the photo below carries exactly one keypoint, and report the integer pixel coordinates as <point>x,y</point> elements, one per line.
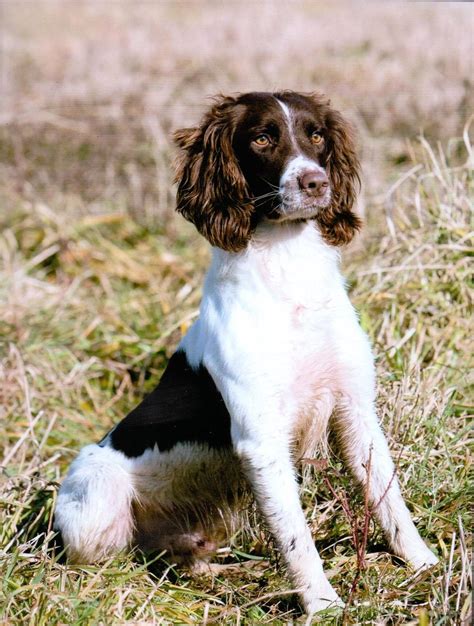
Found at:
<point>296,205</point>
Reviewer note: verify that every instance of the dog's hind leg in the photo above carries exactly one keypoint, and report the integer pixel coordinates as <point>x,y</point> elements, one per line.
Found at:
<point>94,507</point>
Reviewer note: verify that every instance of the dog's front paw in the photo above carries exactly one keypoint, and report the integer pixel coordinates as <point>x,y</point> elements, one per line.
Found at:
<point>324,599</point>
<point>422,559</point>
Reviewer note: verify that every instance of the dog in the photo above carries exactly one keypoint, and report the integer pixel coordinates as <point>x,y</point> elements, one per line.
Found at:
<point>275,359</point>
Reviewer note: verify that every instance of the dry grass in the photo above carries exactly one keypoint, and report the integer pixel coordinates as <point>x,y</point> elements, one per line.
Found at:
<point>98,280</point>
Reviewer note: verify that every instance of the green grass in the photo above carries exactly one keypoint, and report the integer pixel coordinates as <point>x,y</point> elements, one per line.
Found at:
<point>99,280</point>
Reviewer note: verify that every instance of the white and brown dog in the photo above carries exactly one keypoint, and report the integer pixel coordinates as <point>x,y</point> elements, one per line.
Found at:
<point>276,357</point>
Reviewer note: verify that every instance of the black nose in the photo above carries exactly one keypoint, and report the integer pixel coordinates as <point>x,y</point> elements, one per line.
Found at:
<point>313,182</point>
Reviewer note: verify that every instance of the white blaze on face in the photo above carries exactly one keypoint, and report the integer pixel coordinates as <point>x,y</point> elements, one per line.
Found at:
<point>298,164</point>
<point>289,119</point>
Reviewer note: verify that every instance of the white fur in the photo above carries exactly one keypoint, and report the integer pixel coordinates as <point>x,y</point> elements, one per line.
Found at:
<point>286,110</point>
<point>289,119</point>
<point>295,202</point>
<point>94,506</point>
<point>277,330</point>
<point>282,342</point>
<point>295,167</point>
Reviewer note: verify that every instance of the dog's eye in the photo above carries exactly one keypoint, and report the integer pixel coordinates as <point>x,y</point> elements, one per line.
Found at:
<point>262,140</point>
<point>316,137</point>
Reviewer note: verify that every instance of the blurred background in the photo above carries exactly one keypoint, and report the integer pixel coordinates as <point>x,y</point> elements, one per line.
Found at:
<point>92,90</point>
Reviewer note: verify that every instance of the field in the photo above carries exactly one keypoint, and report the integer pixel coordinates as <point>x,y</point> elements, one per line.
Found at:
<point>99,279</point>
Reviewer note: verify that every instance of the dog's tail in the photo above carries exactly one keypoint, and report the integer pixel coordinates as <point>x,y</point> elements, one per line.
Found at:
<point>94,506</point>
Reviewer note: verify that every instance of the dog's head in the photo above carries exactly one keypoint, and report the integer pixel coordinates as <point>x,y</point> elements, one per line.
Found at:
<point>275,156</point>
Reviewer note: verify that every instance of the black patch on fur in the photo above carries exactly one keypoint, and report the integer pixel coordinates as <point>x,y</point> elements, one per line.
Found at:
<point>185,407</point>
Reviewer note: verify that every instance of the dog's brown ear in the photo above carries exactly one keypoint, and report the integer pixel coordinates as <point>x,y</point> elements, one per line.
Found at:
<point>339,223</point>
<point>212,191</point>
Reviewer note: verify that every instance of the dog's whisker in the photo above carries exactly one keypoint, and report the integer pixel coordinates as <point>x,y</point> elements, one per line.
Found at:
<point>270,184</point>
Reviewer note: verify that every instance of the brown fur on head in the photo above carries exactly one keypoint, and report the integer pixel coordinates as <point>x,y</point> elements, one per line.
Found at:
<point>228,180</point>
<point>212,191</point>
<point>339,223</point>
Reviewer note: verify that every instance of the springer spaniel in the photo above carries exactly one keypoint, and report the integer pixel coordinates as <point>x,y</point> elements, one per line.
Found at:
<point>276,356</point>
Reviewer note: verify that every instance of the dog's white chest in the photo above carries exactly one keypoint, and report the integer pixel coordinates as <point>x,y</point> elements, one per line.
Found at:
<point>270,317</point>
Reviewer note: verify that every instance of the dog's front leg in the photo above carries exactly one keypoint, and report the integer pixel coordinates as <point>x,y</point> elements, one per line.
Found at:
<point>267,463</point>
<point>367,454</point>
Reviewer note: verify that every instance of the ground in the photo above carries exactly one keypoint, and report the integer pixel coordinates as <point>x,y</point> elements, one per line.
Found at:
<point>99,280</point>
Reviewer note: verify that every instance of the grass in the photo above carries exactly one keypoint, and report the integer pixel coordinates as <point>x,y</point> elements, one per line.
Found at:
<point>99,280</point>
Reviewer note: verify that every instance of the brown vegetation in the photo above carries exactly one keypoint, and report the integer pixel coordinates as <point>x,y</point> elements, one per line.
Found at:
<point>99,278</point>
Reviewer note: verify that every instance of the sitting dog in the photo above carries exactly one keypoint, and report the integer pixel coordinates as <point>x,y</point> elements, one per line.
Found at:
<point>276,357</point>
